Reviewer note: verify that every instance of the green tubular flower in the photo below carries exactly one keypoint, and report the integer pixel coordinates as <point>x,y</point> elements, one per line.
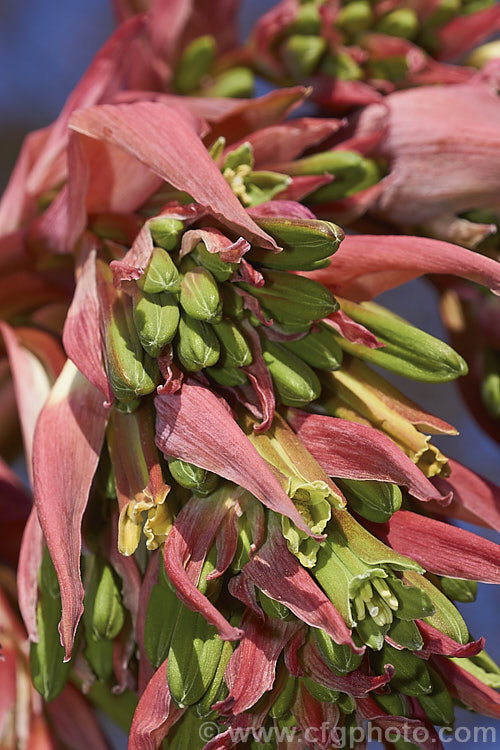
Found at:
<point>251,187</point>
<point>357,393</point>
<point>357,572</point>
<point>490,385</point>
<point>304,481</point>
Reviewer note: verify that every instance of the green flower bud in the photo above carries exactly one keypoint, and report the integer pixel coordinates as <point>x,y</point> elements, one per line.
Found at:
<point>193,657</point>
<point>273,608</point>
<point>217,148</point>
<point>161,617</point>
<point>195,62</point>
<point>235,352</point>
<point>232,302</point>
<point>411,675</point>
<point>48,576</point>
<point>131,372</point>
<point>304,242</point>
<point>229,377</point>
<point>49,673</point>
<point>234,83</point>
<point>393,703</point>
<point>346,703</point>
<point>197,345</point>
<point>307,20</point>
<point>339,657</point>
<point>355,17</point>
<point>285,699</point>
<point>295,302</point>
<point>490,386</point>
<point>341,66</point>
<point>187,733</point>
<point>192,477</point>
<point>483,54</point>
<point>104,599</point>
<point>219,269</point>
<point>408,351</point>
<point>99,655</point>
<point>375,501</point>
<point>347,184</point>
<point>166,232</point>
<point>439,704</point>
<point>156,318</point>
<point>217,690</point>
<point>200,296</point>
<point>320,692</point>
<point>319,349</point>
<point>294,381</point>
<point>406,634</point>
<point>446,617</point>
<point>402,22</point>
<point>459,590</point>
<point>161,274</point>
<point>446,10</point>
<point>302,54</point>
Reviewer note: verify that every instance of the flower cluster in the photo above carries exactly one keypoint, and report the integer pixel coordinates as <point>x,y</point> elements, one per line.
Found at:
<point>236,517</point>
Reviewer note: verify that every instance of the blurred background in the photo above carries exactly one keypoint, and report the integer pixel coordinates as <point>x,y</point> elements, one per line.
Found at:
<point>44,49</point>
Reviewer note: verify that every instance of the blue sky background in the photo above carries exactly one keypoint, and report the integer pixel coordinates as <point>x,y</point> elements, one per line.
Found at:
<point>44,48</point>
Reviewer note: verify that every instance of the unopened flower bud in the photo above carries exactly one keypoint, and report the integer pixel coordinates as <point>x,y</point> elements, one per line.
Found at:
<point>235,83</point>
<point>229,377</point>
<point>304,243</point>
<point>375,501</point>
<point>411,675</point>
<point>301,54</point>
<point>295,302</point>
<point>235,351</point>
<point>192,477</point>
<point>200,296</point>
<point>131,371</point>
<point>195,62</point>
<point>402,22</point>
<point>219,269</point>
<point>355,17</point>
<point>161,274</point>
<point>104,600</point>
<point>339,657</point>
<point>156,317</point>
<point>165,231</point>
<point>458,589</point>
<point>295,383</point>
<point>490,385</point>
<point>407,350</point>
<point>319,349</point>
<point>197,346</point>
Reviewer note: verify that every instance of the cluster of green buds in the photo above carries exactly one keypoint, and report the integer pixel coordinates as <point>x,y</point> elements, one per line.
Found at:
<point>339,44</point>
<point>201,72</point>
